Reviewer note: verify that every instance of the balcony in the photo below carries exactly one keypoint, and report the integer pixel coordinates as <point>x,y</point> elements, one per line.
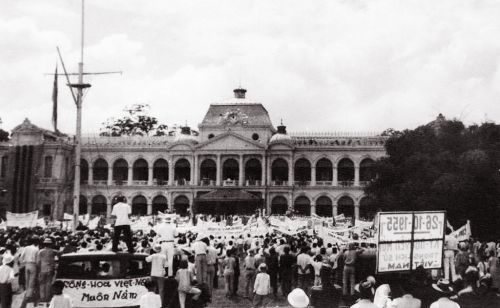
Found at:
<point>160,182</point>
<point>182,183</point>
<point>207,182</point>
<point>324,183</point>
<point>346,183</point>
<point>118,182</point>
<point>230,183</point>
<point>140,183</point>
<point>100,182</point>
<point>47,180</point>
<point>279,183</point>
<point>302,183</point>
<point>253,183</point>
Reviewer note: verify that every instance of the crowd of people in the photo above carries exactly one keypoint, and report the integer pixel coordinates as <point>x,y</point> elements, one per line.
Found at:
<point>302,268</point>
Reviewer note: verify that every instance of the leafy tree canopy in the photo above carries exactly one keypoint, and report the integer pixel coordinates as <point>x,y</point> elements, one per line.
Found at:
<point>443,166</point>
<point>137,122</point>
<point>4,136</point>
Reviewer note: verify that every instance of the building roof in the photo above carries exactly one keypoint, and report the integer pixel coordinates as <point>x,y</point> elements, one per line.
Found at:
<point>236,112</point>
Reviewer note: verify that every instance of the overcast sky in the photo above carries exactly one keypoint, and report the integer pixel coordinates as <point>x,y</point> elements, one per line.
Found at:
<point>329,65</point>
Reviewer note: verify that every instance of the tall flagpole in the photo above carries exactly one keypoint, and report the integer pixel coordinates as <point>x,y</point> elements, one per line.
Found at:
<point>78,136</point>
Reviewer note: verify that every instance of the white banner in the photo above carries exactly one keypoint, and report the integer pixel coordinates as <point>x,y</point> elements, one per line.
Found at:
<point>105,293</point>
<point>463,233</point>
<point>22,220</point>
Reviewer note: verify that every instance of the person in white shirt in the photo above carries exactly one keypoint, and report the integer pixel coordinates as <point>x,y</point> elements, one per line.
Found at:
<point>303,262</point>
<point>150,299</point>
<point>262,286</point>
<point>200,249</point>
<point>60,300</point>
<point>211,263</point>
<point>167,232</point>
<point>28,256</point>
<point>158,263</point>
<point>443,286</point>
<point>6,278</point>
<point>365,293</point>
<point>121,212</point>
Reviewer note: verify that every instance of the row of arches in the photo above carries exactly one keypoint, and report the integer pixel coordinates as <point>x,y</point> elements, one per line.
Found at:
<point>98,205</point>
<point>230,170</point>
<point>324,206</point>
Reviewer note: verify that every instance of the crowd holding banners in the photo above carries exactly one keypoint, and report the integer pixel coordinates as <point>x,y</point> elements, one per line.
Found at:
<point>332,245</point>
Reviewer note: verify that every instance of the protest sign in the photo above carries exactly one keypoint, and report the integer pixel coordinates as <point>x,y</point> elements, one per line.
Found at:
<point>22,220</point>
<point>463,233</point>
<point>105,293</point>
<point>407,240</point>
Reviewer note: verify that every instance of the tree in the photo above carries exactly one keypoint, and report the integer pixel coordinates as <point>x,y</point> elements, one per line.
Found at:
<point>137,122</point>
<point>4,136</point>
<point>443,167</point>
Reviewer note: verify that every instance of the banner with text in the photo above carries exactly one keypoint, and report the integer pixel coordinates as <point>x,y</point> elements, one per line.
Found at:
<point>105,293</point>
<point>407,240</point>
<point>22,220</point>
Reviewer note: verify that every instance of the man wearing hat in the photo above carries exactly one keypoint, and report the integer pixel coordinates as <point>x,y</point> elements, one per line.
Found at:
<point>200,249</point>
<point>167,232</point>
<point>46,262</point>
<point>6,278</point>
<point>298,298</point>
<point>445,290</point>
<point>262,286</point>
<point>158,263</point>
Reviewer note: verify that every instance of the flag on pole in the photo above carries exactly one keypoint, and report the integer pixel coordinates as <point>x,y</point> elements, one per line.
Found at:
<point>54,102</point>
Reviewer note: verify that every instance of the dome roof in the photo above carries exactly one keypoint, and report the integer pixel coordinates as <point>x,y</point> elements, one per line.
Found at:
<point>281,135</point>
<point>185,135</point>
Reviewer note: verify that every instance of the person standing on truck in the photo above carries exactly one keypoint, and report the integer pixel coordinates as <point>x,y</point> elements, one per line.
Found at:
<point>121,213</point>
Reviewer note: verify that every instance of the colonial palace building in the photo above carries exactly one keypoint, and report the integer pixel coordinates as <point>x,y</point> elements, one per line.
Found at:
<point>237,162</point>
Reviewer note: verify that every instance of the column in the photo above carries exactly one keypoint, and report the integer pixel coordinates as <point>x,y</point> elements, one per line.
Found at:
<point>334,210</point>
<point>150,176</point>
<point>110,176</point>
<point>334,177</point>
<point>108,209</point>
<point>219,171</point>
<point>89,207</point>
<point>91,176</point>
<point>290,172</point>
<point>191,174</point>
<point>171,169</point>
<point>269,171</point>
<point>313,207</point>
<point>356,210</point>
<point>150,207</point>
<point>263,167</point>
<point>129,176</point>
<point>196,172</point>
<point>313,176</point>
<point>241,179</point>
<point>356,175</point>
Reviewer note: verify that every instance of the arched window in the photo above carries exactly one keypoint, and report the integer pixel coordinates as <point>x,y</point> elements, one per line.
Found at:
<point>324,206</point>
<point>302,206</point>
<point>345,205</point>
<point>159,204</point>
<point>3,166</point>
<point>47,173</point>
<point>100,170</point>
<point>139,205</point>
<point>99,206</point>
<point>181,205</point>
<point>324,170</point>
<point>253,171</point>
<point>367,209</point>
<point>82,208</point>
<point>208,172</point>
<point>140,170</point>
<point>367,170</point>
<point>345,172</point>
<point>302,171</point>
<point>120,171</point>
<point>279,171</point>
<point>160,171</point>
<point>182,171</point>
<point>279,205</point>
<point>230,169</point>
<point>84,171</point>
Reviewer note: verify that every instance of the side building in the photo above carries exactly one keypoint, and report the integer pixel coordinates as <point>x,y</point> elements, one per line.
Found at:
<point>237,162</point>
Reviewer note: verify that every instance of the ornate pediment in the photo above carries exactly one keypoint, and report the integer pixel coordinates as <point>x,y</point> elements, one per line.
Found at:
<point>233,117</point>
<point>230,141</point>
<point>27,128</point>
